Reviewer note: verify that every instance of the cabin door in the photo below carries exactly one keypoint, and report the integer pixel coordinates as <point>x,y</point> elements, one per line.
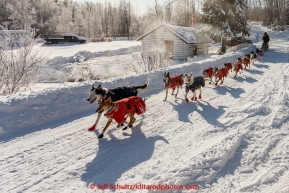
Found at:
<point>194,50</point>
<point>168,49</point>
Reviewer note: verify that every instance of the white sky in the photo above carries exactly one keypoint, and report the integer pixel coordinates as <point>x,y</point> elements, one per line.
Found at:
<point>140,5</point>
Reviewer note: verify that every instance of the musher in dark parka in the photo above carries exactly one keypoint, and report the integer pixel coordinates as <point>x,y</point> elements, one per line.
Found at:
<point>266,40</point>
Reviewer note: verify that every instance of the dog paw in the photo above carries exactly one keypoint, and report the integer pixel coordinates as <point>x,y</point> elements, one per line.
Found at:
<point>100,136</point>
<point>130,126</point>
<point>125,128</point>
<point>210,82</point>
<point>91,128</point>
<point>193,98</point>
<point>187,100</point>
<point>200,97</point>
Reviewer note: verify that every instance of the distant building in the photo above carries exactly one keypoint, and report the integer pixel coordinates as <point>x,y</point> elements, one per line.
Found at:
<point>176,41</point>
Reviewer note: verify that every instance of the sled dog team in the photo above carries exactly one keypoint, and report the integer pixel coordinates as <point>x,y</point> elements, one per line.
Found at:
<point>122,102</point>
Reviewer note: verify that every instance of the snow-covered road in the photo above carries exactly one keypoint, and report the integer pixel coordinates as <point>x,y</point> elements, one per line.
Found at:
<point>233,140</point>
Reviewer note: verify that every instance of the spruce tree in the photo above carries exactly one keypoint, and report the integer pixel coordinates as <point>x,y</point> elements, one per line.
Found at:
<point>223,18</point>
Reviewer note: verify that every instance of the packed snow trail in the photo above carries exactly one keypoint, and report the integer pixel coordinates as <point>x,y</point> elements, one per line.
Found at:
<point>233,140</point>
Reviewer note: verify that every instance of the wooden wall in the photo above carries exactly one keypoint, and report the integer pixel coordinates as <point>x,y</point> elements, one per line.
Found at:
<point>182,50</point>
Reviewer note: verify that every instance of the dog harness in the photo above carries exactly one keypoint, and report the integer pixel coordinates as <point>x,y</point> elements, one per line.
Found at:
<point>175,81</point>
<point>125,106</point>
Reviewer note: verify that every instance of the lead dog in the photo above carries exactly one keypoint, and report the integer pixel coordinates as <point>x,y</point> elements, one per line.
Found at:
<point>118,110</point>
<point>173,83</point>
<point>116,94</point>
<point>193,84</point>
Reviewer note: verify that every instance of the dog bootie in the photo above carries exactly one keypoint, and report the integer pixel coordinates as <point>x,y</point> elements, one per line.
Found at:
<point>187,100</point>
<point>209,82</point>
<point>216,83</point>
<point>194,98</point>
<point>200,96</point>
<point>91,128</point>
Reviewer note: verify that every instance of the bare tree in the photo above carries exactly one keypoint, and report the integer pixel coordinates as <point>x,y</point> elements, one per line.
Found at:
<point>149,61</point>
<point>19,60</point>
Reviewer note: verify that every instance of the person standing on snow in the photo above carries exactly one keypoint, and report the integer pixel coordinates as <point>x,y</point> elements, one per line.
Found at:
<point>266,40</point>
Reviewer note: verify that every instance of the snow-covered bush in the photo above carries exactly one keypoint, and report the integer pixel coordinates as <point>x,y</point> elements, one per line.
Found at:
<point>149,61</point>
<point>19,60</point>
<point>52,75</point>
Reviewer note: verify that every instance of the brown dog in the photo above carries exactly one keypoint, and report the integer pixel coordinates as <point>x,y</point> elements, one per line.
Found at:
<point>173,83</point>
<point>119,109</point>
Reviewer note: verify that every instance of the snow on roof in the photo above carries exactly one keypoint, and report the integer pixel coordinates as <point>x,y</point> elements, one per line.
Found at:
<point>187,34</point>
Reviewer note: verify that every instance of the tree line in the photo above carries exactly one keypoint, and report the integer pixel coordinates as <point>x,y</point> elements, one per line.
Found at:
<point>94,19</point>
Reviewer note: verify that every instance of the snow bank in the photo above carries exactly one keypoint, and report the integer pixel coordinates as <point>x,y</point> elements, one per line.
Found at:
<point>85,55</point>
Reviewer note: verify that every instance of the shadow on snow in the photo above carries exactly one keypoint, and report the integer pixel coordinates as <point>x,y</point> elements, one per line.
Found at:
<point>206,111</point>
<point>116,156</point>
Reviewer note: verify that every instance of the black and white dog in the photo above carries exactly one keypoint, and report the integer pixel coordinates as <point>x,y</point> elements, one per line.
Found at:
<point>193,84</point>
<point>99,94</point>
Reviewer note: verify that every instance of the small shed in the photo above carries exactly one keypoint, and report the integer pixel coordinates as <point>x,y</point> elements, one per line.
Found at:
<point>175,41</point>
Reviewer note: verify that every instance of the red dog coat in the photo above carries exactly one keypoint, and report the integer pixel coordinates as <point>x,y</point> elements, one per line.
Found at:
<point>125,106</point>
<point>210,72</point>
<point>175,81</point>
<point>247,61</point>
<point>239,66</point>
<point>229,66</point>
<point>222,72</point>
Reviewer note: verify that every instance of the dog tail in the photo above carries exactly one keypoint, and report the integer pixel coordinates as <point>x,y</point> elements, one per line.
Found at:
<point>143,87</point>
<point>144,100</point>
